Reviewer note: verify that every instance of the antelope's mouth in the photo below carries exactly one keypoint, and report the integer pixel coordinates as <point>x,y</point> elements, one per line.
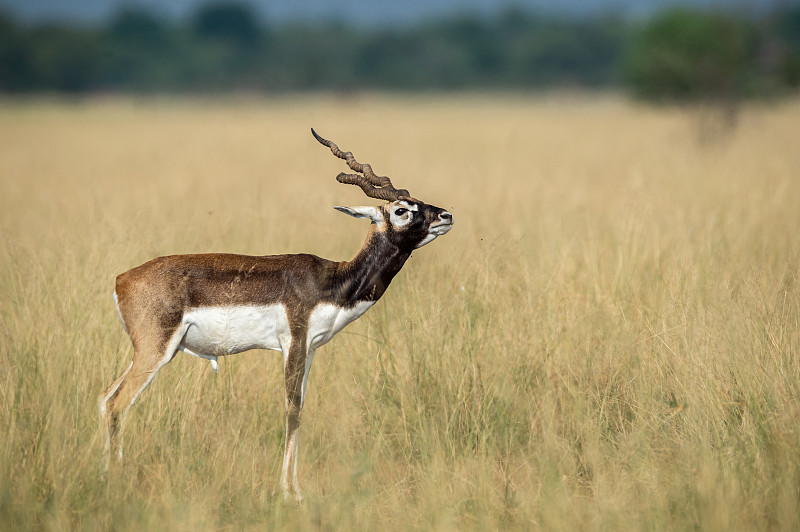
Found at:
<point>436,231</point>
<point>441,228</point>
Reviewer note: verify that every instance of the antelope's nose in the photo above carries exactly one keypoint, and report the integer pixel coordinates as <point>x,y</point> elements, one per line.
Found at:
<point>446,217</point>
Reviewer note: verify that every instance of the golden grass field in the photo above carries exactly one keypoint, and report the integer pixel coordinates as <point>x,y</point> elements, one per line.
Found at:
<point>608,338</point>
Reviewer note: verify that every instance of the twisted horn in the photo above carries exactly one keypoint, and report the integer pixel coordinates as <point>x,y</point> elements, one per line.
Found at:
<point>374,186</point>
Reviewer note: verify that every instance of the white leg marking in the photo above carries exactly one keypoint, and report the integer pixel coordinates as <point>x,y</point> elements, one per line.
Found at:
<point>103,407</point>
<point>172,348</point>
<point>296,439</point>
<point>309,360</point>
<point>116,304</point>
<point>290,460</point>
<point>295,451</point>
<point>287,452</point>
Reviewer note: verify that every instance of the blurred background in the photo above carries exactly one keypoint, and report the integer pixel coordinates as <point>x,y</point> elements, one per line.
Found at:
<point>657,49</point>
<point>607,340</point>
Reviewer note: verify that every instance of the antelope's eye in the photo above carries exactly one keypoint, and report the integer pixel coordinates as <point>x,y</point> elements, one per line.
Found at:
<point>401,211</point>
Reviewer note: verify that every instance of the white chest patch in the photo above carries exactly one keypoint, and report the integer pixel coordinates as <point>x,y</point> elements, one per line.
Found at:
<point>215,331</point>
<point>326,320</point>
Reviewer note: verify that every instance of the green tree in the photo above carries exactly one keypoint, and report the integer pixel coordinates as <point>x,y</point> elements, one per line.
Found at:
<point>229,22</point>
<point>142,51</point>
<point>787,47</point>
<point>227,44</point>
<point>67,59</point>
<point>16,63</point>
<point>689,55</point>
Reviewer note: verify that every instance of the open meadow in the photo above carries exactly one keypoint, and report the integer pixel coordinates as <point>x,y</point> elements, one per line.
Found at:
<point>608,339</point>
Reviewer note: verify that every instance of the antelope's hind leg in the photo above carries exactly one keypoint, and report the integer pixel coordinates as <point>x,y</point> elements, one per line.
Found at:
<point>149,356</point>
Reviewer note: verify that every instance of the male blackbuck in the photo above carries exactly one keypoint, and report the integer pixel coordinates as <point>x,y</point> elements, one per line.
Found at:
<point>211,305</point>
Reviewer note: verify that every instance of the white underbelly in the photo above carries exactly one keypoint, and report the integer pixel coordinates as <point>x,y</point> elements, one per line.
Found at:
<point>216,331</point>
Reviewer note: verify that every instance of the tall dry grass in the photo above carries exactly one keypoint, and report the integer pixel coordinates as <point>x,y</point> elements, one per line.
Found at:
<point>608,338</point>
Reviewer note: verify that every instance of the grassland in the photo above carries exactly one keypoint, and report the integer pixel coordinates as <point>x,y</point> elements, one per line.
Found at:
<point>607,340</point>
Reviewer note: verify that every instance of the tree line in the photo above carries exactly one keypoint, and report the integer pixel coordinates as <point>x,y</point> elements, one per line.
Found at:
<point>677,54</point>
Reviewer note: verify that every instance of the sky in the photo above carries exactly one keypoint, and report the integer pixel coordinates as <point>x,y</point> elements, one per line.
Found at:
<point>362,12</point>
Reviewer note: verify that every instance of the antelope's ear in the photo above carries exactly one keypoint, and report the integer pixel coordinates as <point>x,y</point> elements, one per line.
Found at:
<point>373,213</point>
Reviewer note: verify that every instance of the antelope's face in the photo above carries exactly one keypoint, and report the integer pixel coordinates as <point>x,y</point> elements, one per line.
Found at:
<point>414,223</point>
<point>407,222</point>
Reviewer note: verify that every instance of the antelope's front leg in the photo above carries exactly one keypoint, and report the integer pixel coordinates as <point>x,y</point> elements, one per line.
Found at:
<point>294,369</point>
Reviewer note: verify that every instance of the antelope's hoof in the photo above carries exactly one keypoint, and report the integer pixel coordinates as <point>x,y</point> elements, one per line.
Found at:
<point>292,497</point>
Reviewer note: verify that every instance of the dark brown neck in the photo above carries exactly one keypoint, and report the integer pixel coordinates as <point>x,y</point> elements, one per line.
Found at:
<point>367,276</point>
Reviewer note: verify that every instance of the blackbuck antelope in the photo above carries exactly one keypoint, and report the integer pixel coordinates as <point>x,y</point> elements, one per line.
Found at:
<point>211,305</point>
